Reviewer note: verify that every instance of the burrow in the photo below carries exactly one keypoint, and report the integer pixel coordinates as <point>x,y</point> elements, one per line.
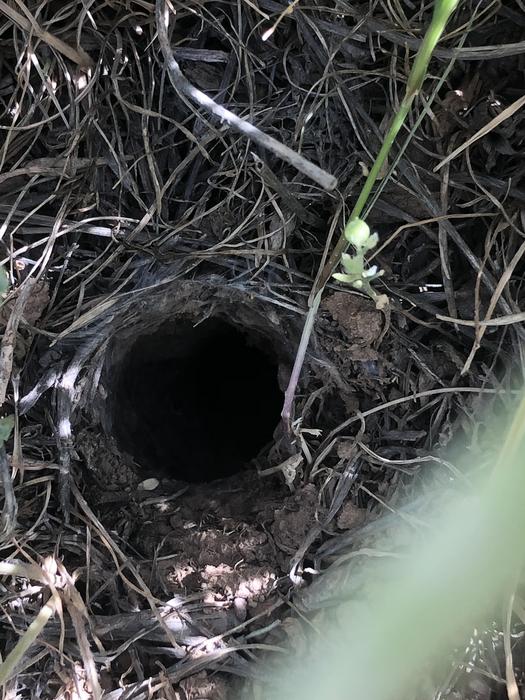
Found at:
<point>177,426</point>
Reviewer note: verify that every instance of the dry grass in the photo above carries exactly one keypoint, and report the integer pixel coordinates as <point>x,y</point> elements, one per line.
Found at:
<point>114,192</point>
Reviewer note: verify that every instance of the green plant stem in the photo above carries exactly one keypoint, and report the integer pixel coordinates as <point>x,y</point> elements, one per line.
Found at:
<point>15,656</point>
<point>407,614</point>
<point>442,12</point>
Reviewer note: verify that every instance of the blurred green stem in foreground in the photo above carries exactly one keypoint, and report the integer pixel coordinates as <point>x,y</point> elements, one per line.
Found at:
<point>454,573</point>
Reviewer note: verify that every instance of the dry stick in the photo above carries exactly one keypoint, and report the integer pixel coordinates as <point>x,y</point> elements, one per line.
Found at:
<point>442,12</point>
<point>185,88</point>
<point>289,394</point>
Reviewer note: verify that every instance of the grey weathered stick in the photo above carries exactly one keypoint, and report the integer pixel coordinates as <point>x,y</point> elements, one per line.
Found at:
<point>289,396</point>
<point>185,88</point>
<point>9,339</point>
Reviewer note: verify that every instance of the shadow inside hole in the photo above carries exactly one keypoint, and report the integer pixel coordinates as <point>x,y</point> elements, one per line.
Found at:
<point>196,404</point>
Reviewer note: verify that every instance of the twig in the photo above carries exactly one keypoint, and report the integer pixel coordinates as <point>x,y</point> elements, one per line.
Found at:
<point>289,395</point>
<point>184,87</point>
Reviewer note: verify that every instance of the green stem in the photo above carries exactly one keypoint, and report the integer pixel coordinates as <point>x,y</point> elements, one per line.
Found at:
<point>442,11</point>
<point>15,656</point>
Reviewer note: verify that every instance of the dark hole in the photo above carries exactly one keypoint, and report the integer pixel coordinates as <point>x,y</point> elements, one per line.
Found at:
<point>196,404</point>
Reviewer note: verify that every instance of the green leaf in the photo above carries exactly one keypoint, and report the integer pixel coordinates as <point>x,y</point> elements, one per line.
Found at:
<point>347,279</point>
<point>353,264</point>
<point>7,423</point>
<point>371,242</point>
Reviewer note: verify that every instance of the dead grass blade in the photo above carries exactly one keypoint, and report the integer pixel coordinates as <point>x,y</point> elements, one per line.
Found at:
<point>9,666</point>
<point>10,507</point>
<point>492,124</point>
<point>80,616</point>
<point>29,24</point>
<point>502,283</point>
<point>494,322</point>
<point>7,346</point>
<point>512,687</point>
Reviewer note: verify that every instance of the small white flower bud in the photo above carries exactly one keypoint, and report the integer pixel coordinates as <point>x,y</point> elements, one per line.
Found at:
<point>357,232</point>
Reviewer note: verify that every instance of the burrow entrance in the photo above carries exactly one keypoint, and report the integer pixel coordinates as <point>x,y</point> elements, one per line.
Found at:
<point>196,402</point>
<point>190,386</point>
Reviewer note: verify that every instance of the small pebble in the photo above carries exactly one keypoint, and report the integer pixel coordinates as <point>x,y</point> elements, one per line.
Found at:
<point>240,608</point>
<point>148,485</point>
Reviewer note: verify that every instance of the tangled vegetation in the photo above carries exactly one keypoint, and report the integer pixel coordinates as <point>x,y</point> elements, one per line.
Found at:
<point>174,181</point>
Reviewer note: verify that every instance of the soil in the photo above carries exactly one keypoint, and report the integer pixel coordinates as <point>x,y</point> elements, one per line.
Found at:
<point>359,325</point>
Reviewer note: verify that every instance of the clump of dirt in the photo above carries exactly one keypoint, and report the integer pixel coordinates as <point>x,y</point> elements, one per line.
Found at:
<point>114,472</point>
<point>360,324</point>
<point>215,539</point>
<point>205,685</point>
<point>350,516</point>
<point>294,520</point>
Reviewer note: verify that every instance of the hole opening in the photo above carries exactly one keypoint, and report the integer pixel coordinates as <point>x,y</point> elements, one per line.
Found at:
<point>196,403</point>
